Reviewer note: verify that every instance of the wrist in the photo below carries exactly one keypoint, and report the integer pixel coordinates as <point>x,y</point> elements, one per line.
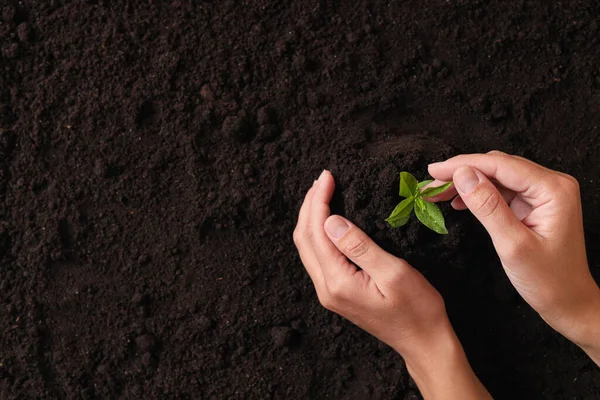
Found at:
<point>440,368</point>
<point>579,321</point>
<point>584,328</point>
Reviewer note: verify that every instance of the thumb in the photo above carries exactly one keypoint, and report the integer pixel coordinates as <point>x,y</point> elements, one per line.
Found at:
<point>362,250</point>
<point>486,203</point>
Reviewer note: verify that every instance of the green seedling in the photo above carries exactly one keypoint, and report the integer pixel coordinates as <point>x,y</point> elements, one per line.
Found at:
<point>428,213</point>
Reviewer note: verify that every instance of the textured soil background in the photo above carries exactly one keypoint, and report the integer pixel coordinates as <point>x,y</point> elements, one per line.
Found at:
<point>154,154</point>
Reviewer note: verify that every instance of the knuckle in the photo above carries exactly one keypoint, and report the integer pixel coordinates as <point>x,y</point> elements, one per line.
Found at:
<point>488,203</point>
<point>515,249</point>
<point>565,188</point>
<point>497,153</point>
<point>326,301</point>
<point>296,236</point>
<point>357,246</point>
<point>570,183</point>
<point>337,290</point>
<point>399,274</point>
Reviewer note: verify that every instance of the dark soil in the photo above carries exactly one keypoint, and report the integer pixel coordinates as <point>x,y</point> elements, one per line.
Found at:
<point>153,157</point>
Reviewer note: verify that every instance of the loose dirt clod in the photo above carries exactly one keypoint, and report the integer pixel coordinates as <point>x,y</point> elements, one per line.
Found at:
<point>284,336</point>
<point>145,342</point>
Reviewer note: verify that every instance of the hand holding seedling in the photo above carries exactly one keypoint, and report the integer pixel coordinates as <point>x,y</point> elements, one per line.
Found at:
<point>428,213</point>
<point>534,218</point>
<point>386,297</point>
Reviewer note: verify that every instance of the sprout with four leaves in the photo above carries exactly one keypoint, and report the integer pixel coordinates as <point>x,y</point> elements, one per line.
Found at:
<point>428,213</point>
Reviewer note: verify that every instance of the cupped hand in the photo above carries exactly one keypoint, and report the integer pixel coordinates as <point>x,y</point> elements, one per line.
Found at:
<point>386,296</point>
<point>534,217</point>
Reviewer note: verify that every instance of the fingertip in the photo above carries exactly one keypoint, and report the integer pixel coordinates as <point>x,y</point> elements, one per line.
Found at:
<point>440,171</point>
<point>326,174</point>
<point>434,167</point>
<point>458,204</point>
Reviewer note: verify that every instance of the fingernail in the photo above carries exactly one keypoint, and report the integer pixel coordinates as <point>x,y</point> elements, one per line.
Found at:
<point>465,179</point>
<point>435,164</point>
<point>314,183</point>
<point>322,175</point>
<point>336,227</point>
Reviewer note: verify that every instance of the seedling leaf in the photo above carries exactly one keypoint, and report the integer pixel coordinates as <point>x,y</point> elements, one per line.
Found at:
<point>408,184</point>
<point>430,215</point>
<point>401,213</point>
<point>424,183</point>
<point>434,191</point>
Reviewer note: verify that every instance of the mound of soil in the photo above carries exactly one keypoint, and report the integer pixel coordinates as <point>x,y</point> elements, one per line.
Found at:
<point>154,155</point>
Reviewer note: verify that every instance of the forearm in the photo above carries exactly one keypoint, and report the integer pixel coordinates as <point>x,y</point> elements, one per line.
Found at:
<point>582,326</point>
<point>588,337</point>
<point>443,372</point>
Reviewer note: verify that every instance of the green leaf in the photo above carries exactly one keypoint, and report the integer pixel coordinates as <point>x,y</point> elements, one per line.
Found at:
<point>424,183</point>
<point>408,184</point>
<point>430,215</point>
<point>434,191</point>
<point>401,213</point>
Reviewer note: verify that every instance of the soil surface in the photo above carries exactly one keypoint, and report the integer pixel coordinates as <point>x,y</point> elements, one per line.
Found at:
<point>154,155</point>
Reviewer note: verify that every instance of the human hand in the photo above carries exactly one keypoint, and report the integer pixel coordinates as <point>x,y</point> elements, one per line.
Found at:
<point>387,297</point>
<point>534,217</point>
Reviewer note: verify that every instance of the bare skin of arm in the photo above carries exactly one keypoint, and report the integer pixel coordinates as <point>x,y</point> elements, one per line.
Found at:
<point>387,297</point>
<point>534,217</point>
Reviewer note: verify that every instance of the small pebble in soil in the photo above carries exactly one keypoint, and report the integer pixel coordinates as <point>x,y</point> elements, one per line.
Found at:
<point>102,369</point>
<point>298,325</point>
<point>248,170</point>
<point>23,32</point>
<point>207,94</point>
<point>287,135</point>
<point>480,104</point>
<point>381,225</point>
<point>265,115</point>
<point>143,259</point>
<point>87,393</point>
<point>145,342</point>
<point>498,112</point>
<point>11,50</point>
<point>284,336</point>
<point>237,128</point>
<point>146,359</point>
<point>267,133</point>
<point>100,168</point>
<point>313,99</point>
<point>204,323</point>
<point>138,298</point>
<point>8,13</point>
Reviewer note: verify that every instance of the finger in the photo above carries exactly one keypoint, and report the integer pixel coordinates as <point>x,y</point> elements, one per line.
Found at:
<point>302,242</point>
<point>486,203</point>
<point>458,204</point>
<point>519,207</point>
<point>305,208</point>
<point>362,250</point>
<point>513,173</point>
<point>311,265</point>
<point>334,265</point>
<point>445,196</point>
